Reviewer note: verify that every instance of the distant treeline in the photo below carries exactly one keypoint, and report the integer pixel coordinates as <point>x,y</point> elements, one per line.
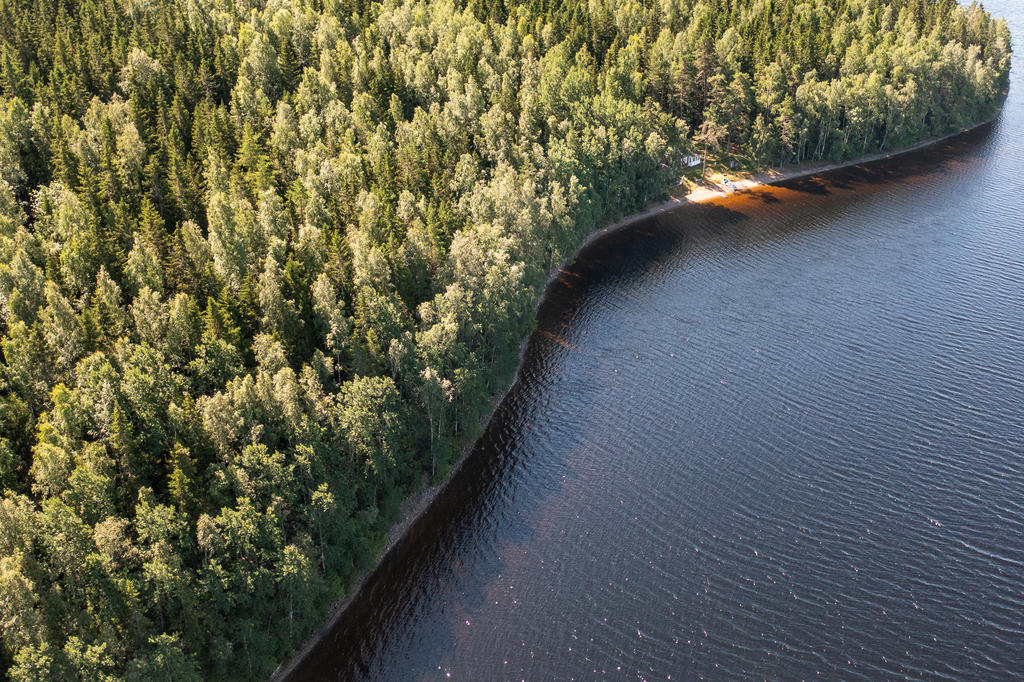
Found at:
<point>263,264</point>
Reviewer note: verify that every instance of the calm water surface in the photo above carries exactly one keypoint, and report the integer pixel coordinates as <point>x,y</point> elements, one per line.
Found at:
<point>780,436</point>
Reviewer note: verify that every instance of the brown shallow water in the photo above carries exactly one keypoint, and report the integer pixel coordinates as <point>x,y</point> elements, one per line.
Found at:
<point>780,435</point>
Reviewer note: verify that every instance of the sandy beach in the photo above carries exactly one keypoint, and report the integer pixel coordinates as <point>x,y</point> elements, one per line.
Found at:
<point>715,186</point>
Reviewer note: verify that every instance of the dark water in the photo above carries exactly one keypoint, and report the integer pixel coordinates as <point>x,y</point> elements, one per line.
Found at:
<point>781,436</point>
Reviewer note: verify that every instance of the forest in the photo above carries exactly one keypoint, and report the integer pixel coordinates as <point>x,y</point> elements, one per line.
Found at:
<point>264,264</point>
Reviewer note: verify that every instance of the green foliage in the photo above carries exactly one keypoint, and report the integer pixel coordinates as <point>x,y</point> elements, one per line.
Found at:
<point>263,265</point>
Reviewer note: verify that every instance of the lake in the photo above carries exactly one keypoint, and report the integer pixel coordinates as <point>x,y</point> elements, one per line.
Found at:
<point>779,436</point>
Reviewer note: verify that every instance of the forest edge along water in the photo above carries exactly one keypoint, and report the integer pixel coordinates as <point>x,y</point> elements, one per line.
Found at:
<point>417,506</point>
<point>711,190</point>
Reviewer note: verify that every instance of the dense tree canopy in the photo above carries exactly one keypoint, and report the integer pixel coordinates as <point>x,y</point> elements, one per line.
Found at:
<point>263,262</point>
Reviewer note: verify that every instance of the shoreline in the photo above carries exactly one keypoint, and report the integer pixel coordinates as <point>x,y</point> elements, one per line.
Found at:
<point>772,176</point>
<point>416,505</point>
